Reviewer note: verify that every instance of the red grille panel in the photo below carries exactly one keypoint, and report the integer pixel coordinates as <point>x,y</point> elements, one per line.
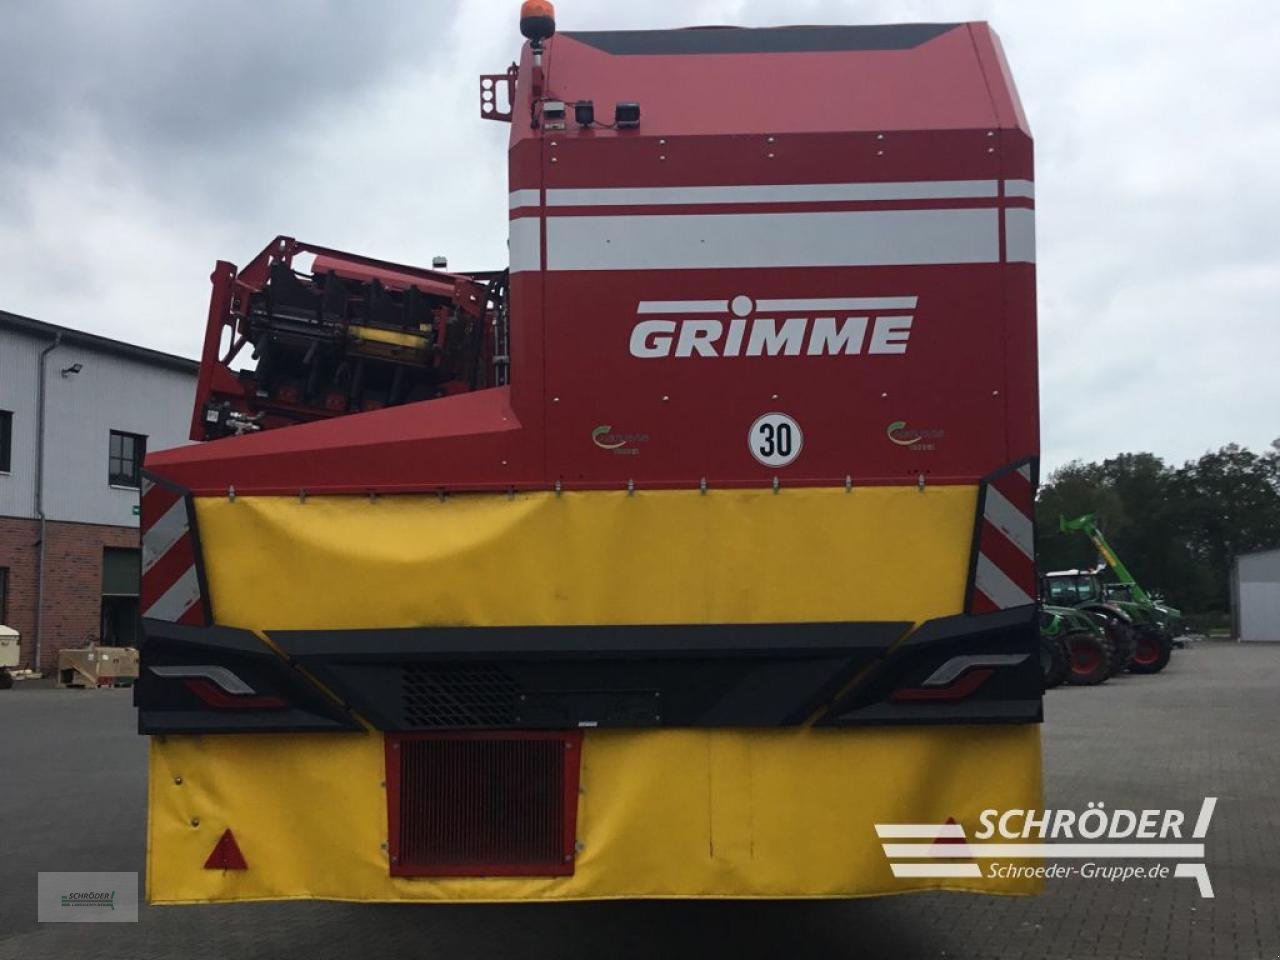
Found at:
<point>476,804</point>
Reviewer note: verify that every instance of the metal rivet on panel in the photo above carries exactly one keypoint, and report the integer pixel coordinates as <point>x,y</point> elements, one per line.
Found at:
<point>178,781</point>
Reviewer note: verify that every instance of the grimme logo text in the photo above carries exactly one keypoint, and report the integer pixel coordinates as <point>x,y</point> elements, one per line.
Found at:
<point>743,327</point>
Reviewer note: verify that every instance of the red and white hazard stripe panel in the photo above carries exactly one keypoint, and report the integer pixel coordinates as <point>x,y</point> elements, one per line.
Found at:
<point>170,576</point>
<point>1004,570</point>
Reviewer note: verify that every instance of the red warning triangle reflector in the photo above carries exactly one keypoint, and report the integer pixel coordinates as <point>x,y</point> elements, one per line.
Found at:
<point>226,854</point>
<point>950,847</point>
<point>951,822</point>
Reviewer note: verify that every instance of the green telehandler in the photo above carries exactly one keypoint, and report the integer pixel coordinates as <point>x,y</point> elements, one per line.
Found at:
<point>1153,623</point>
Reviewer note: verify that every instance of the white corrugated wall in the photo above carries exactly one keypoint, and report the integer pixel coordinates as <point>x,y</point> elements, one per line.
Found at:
<point>1258,595</point>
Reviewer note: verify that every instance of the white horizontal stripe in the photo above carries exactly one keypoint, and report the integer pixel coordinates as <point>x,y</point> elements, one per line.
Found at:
<point>936,870</point>
<point>1020,188</point>
<point>160,537</point>
<point>524,198</point>
<point>837,303</point>
<point>223,677</point>
<point>1054,851</point>
<point>178,599</point>
<point>699,242</point>
<point>919,831</point>
<point>683,306</point>
<point>958,665</point>
<point>1020,235</point>
<point>524,244</point>
<point>772,193</point>
<point>1002,591</point>
<point>1010,521</point>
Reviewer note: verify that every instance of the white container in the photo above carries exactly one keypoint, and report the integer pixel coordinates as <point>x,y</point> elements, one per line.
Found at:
<point>10,646</point>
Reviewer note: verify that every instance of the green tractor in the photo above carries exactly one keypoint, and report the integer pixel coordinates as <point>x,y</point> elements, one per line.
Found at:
<point>1155,623</point>
<point>1074,647</point>
<point>1139,643</point>
<point>1169,618</point>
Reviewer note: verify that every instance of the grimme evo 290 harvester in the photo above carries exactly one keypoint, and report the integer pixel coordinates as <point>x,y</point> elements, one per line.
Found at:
<point>671,560</point>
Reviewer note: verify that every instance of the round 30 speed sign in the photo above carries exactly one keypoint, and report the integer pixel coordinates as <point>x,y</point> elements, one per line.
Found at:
<point>775,439</point>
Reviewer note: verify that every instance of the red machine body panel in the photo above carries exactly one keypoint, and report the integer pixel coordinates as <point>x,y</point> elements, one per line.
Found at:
<point>833,224</point>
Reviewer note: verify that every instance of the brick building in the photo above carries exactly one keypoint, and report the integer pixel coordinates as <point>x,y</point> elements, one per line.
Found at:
<point>77,414</point>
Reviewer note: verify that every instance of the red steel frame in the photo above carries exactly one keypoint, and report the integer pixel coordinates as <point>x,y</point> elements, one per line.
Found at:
<point>229,305</point>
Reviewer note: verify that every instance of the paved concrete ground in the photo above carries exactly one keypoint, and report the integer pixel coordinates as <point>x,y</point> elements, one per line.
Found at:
<point>72,791</point>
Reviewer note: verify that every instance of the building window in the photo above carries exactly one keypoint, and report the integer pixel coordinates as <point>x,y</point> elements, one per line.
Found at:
<point>125,462</point>
<point>6,439</point>
<point>4,595</point>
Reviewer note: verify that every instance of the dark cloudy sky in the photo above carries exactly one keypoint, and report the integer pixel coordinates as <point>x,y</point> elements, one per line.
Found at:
<point>140,140</point>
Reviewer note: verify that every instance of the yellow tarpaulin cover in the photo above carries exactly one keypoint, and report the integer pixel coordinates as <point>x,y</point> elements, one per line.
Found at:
<point>678,813</point>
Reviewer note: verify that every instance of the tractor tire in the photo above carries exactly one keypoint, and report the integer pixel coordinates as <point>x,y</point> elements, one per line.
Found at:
<point>1153,652</point>
<point>1091,658</point>
<point>6,678</point>
<point>1054,662</point>
<point>1124,640</point>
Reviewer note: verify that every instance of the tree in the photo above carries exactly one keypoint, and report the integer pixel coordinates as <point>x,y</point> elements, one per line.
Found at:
<point>1179,530</point>
<point>1228,503</point>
